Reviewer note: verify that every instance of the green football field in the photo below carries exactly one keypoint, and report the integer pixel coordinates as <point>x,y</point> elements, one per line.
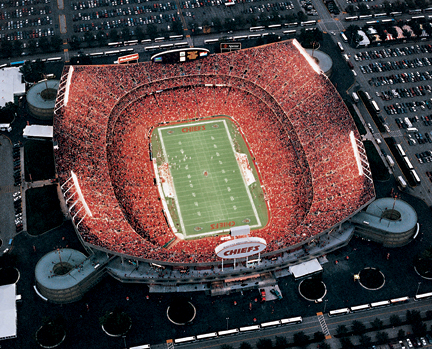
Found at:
<point>210,194</point>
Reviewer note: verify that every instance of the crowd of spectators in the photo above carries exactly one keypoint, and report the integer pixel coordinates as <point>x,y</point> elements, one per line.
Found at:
<point>295,123</point>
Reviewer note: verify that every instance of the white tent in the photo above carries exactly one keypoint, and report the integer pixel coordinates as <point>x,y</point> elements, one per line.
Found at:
<point>10,85</point>
<point>306,268</point>
<point>8,314</point>
<point>38,131</point>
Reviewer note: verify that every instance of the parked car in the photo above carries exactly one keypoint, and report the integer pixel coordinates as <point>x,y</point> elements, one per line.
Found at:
<point>263,295</point>
<point>276,293</point>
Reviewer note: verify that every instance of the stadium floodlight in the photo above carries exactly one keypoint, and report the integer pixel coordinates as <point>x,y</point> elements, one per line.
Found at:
<point>80,195</point>
<point>68,81</point>
<point>310,60</point>
<point>356,153</point>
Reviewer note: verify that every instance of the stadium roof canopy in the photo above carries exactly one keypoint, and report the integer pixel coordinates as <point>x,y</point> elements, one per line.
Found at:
<point>8,315</point>
<point>306,268</point>
<point>306,146</point>
<point>38,131</point>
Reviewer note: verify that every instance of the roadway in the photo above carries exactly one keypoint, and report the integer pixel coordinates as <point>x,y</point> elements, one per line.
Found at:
<point>311,325</point>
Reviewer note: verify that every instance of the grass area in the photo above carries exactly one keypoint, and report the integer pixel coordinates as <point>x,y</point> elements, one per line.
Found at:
<point>356,118</point>
<point>377,166</point>
<point>43,209</point>
<point>210,194</point>
<point>406,171</point>
<point>38,160</point>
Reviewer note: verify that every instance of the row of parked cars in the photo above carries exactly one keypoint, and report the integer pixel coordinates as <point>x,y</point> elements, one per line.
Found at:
<point>409,92</point>
<point>401,78</point>
<point>424,157</point>
<point>22,3</point>
<point>376,67</point>
<point>405,107</point>
<point>393,52</point>
<point>25,12</point>
<point>25,23</point>
<point>16,152</point>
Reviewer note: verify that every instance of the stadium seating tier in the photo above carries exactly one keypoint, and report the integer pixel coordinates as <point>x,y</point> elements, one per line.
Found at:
<point>295,123</point>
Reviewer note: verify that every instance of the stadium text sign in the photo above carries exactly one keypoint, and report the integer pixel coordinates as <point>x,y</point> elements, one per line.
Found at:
<point>240,248</point>
<point>128,58</point>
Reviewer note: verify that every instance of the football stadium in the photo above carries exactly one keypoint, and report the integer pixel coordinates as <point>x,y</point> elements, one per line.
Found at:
<point>161,162</point>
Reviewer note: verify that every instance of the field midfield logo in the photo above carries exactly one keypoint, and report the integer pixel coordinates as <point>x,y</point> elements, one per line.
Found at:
<point>222,225</point>
<point>193,128</point>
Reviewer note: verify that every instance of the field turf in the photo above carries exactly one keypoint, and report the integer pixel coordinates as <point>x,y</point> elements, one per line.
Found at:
<point>210,195</point>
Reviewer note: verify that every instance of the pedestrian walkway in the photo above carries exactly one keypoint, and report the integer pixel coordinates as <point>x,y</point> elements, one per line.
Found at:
<point>323,324</point>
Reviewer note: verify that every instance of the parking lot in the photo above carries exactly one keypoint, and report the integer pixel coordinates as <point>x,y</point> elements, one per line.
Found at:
<point>398,79</point>
<point>25,22</point>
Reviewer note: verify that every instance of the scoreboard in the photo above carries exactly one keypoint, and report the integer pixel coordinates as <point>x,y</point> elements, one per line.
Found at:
<point>180,55</point>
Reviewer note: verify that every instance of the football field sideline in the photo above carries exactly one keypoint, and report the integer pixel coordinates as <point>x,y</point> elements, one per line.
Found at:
<point>210,193</point>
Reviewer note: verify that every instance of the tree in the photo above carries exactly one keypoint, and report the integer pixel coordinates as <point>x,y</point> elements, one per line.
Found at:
<point>89,39</point>
<point>302,16</point>
<point>6,49</point>
<point>52,332</point>
<point>417,30</point>
<point>342,329</point>
<point>264,343</point>
<point>401,334</point>
<point>382,337</point>
<point>44,44</point>
<point>351,10</point>
<point>406,33</point>
<point>363,10</point>
<point>217,24</point>
<point>429,315</point>
<point>229,24</point>
<point>358,327</point>
<point>152,31</point>
<point>319,336</point>
<point>74,43</point>
<point>393,32</point>
<point>245,345</point>
<point>413,316</point>
<point>310,38</point>
<point>346,343</point>
<point>116,322</point>
<point>101,38</point>
<point>17,47</point>
<point>126,34</point>
<point>226,346</point>
<point>377,324</point>
<point>324,345</point>
<point>33,71</point>
<point>395,320</point>
<point>177,27</point>
<point>56,43</point>
<point>365,340</point>
<point>352,34</point>
<point>32,46</point>
<point>280,343</point>
<point>8,112</point>
<point>240,22</point>
<point>113,35</point>
<point>300,339</point>
<point>139,34</point>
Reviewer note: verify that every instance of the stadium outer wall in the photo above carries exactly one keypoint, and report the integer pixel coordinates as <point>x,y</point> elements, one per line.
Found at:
<point>306,249</point>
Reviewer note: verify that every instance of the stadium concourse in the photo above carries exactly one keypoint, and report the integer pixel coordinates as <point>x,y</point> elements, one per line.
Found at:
<point>311,162</point>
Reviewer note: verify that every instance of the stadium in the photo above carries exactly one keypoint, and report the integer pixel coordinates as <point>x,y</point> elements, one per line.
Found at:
<point>159,161</point>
